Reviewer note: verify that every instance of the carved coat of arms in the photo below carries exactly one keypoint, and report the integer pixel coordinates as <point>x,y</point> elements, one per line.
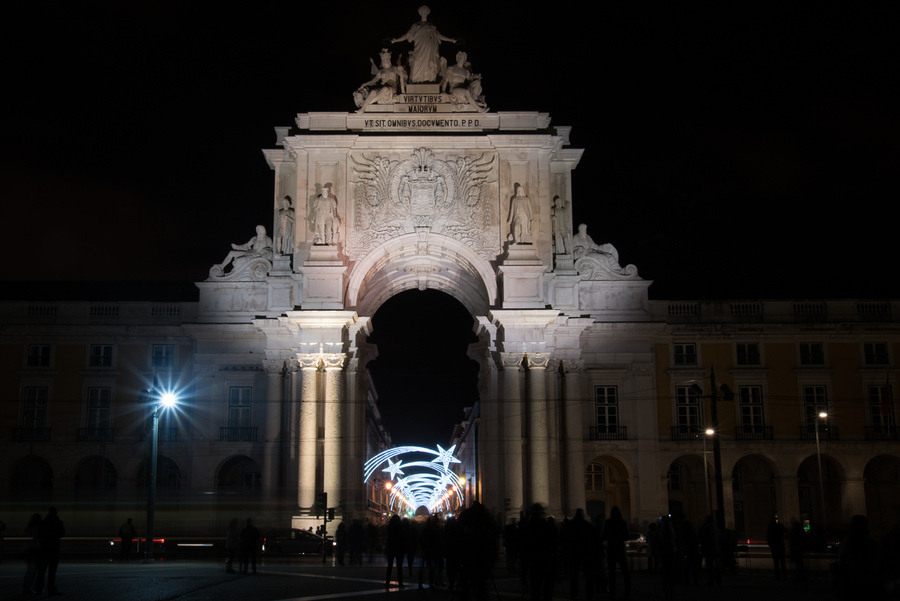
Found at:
<point>450,197</point>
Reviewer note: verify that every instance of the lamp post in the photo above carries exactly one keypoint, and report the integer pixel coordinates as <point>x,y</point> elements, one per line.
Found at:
<point>821,416</point>
<point>717,449</point>
<point>707,433</point>
<point>164,401</point>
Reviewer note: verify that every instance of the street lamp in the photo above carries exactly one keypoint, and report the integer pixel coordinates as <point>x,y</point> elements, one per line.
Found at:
<point>821,416</point>
<point>161,402</point>
<point>708,432</point>
<point>717,449</point>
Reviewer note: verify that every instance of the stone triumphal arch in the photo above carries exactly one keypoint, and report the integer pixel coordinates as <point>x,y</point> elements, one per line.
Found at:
<point>423,188</point>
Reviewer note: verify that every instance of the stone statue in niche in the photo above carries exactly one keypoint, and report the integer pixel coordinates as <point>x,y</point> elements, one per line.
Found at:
<point>463,85</point>
<point>562,236</point>
<point>424,60</point>
<point>598,261</point>
<point>284,237</point>
<point>387,81</point>
<point>255,255</point>
<point>520,216</point>
<point>324,217</point>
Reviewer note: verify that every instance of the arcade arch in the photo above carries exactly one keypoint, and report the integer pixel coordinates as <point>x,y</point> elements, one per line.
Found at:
<point>754,491</point>
<point>607,483</point>
<point>810,488</point>
<point>882,488</point>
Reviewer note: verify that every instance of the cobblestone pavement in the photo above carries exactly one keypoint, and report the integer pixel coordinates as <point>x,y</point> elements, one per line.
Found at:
<point>311,580</point>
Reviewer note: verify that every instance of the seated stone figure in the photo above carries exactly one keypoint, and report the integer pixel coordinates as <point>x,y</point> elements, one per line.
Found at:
<point>464,86</point>
<point>598,261</point>
<point>387,81</point>
<point>258,248</point>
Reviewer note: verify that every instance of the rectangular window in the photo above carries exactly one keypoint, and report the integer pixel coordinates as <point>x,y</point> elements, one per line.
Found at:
<point>685,354</point>
<point>98,401</point>
<point>687,411</point>
<point>748,354</point>
<point>876,353</point>
<point>163,355</point>
<point>606,407</point>
<point>38,355</point>
<point>814,402</point>
<point>812,353</point>
<point>752,410</point>
<point>34,409</point>
<point>101,355</point>
<point>239,405</point>
<point>881,408</point>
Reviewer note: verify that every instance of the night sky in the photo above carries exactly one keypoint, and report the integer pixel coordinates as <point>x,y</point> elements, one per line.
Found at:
<point>732,150</point>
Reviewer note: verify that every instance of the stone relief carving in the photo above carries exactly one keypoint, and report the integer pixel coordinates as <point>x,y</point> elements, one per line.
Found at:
<point>562,236</point>
<point>520,216</point>
<point>249,262</point>
<point>598,261</point>
<point>448,197</point>
<point>424,60</point>
<point>388,81</point>
<point>464,86</point>
<point>284,237</point>
<point>323,217</point>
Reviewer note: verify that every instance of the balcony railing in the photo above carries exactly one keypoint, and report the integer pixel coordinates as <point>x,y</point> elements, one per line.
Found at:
<point>882,433</point>
<point>825,433</point>
<point>754,433</point>
<point>95,434</point>
<point>165,435</point>
<point>608,433</point>
<point>25,434</point>
<point>245,434</point>
<point>686,433</point>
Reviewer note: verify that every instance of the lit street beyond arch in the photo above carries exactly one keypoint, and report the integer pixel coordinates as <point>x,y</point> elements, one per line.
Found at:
<point>432,484</point>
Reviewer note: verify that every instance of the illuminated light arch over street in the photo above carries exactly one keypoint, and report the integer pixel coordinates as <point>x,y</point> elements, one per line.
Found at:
<point>431,484</point>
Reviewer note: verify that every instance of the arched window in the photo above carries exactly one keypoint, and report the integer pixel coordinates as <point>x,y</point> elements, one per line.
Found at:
<point>595,477</point>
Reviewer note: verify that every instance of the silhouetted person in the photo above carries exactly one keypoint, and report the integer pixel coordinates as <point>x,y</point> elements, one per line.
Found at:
<point>249,543</point>
<point>232,538</point>
<point>578,546</point>
<point>393,549</point>
<point>776,534</point>
<point>858,575</point>
<point>430,543</point>
<point>410,543</point>
<point>32,553</point>
<point>50,531</point>
<point>478,540</point>
<point>126,533</point>
<point>340,543</point>
<point>709,548</point>
<point>690,553</point>
<point>668,553</point>
<point>653,547</point>
<point>356,537</point>
<point>539,553</point>
<point>615,533</point>
<point>797,541</point>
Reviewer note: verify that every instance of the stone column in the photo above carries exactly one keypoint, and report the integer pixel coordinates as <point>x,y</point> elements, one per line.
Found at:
<point>332,450</point>
<point>272,428</point>
<point>574,435</point>
<point>309,385</point>
<point>512,431</point>
<point>787,498</point>
<point>538,423</point>
<point>727,484</point>
<point>853,498</point>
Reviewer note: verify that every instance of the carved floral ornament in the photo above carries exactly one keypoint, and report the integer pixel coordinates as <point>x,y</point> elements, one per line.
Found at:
<point>450,197</point>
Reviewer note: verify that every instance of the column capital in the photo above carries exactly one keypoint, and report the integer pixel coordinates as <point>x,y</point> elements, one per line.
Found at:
<point>333,360</point>
<point>511,360</point>
<point>572,366</point>
<point>537,360</point>
<point>308,360</point>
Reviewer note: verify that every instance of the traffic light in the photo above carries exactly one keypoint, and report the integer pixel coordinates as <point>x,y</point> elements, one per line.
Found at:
<point>331,514</point>
<point>321,502</point>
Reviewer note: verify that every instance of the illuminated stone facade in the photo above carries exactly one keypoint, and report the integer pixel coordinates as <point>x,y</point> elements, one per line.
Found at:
<point>583,379</point>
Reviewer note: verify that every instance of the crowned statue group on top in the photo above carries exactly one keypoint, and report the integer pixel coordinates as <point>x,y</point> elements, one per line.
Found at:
<point>423,65</point>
